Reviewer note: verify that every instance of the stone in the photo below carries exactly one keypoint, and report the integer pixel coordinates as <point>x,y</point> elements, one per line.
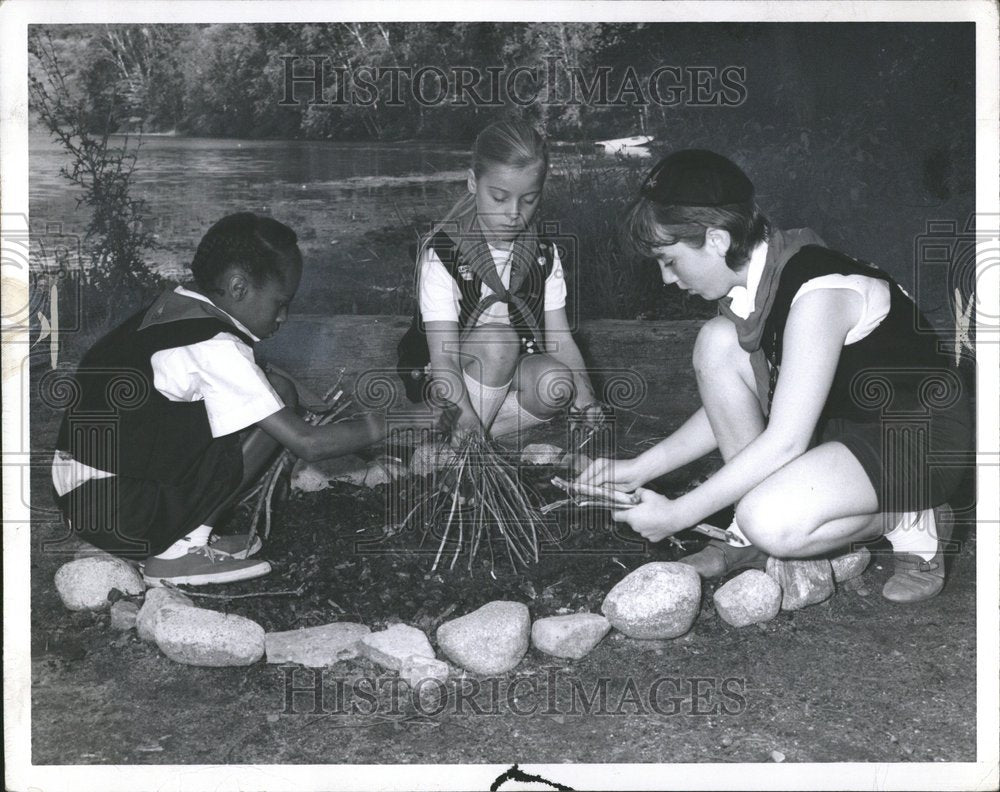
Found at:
<point>430,456</point>
<point>490,640</point>
<point>84,584</point>
<point>541,454</point>
<point>316,647</point>
<point>658,600</point>
<point>202,637</point>
<point>748,598</point>
<point>123,615</point>
<point>850,565</point>
<point>415,669</point>
<point>391,647</point>
<point>157,599</point>
<point>315,476</point>
<point>87,550</point>
<point>571,636</point>
<point>803,581</point>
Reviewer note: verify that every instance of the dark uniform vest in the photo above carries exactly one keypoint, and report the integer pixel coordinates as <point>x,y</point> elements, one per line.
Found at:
<point>889,369</point>
<point>118,421</point>
<point>413,352</point>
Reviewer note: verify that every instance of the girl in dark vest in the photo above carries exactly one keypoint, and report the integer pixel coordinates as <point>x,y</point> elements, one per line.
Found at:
<point>490,334</point>
<point>817,386</point>
<point>172,416</point>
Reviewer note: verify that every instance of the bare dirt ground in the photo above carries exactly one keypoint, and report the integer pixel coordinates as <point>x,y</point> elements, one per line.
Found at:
<point>854,679</point>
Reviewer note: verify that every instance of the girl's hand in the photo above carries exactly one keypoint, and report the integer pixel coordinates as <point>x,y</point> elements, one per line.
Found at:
<point>655,518</point>
<point>590,415</point>
<point>622,474</point>
<point>466,424</point>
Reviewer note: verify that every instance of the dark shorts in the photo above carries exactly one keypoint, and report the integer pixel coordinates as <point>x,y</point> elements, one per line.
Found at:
<point>136,518</point>
<point>913,464</point>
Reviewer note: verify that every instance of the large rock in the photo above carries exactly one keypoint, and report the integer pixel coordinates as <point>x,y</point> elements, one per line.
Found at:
<point>541,454</point>
<point>850,565</point>
<point>748,598</point>
<point>87,550</point>
<point>392,647</point>
<point>202,637</point>
<point>803,581</point>
<point>123,615</point>
<point>157,599</point>
<point>415,669</point>
<point>316,647</point>
<point>490,640</point>
<point>315,476</point>
<point>84,584</point>
<point>658,600</point>
<point>571,636</point>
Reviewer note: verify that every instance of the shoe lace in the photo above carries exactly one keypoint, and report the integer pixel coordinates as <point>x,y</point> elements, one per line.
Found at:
<point>209,552</point>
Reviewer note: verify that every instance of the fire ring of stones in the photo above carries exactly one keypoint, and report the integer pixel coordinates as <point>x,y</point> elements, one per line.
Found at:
<point>659,600</point>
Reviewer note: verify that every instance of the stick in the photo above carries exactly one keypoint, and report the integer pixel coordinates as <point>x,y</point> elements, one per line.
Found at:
<point>604,493</point>
<point>296,593</point>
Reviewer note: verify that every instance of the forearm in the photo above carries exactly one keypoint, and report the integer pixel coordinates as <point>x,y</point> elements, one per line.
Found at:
<point>313,443</point>
<point>448,383</point>
<point>691,441</point>
<point>346,437</point>
<point>563,348</point>
<point>764,456</point>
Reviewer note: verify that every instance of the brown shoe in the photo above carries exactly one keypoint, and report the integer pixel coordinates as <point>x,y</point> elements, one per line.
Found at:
<point>915,579</point>
<point>718,558</point>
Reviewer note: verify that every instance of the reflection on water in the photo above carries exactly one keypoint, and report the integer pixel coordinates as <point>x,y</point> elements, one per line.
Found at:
<point>328,192</point>
<point>357,208</point>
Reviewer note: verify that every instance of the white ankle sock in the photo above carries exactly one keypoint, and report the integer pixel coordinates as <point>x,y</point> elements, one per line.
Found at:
<point>199,536</point>
<point>915,533</point>
<point>738,539</point>
<point>486,399</point>
<point>512,417</point>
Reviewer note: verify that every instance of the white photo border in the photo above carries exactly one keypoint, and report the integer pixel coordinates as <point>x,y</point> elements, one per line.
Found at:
<point>16,15</point>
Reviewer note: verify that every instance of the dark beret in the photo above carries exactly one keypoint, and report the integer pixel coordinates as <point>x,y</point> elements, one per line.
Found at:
<point>696,177</point>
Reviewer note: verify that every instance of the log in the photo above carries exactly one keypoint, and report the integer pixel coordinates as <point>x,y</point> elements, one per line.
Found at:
<point>640,366</point>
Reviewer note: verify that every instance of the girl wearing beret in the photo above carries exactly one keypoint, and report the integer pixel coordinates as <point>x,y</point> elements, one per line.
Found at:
<point>817,388</point>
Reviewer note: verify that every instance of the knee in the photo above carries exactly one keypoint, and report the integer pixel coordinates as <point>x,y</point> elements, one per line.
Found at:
<point>493,345</point>
<point>771,527</point>
<point>285,389</point>
<point>716,345</point>
<point>545,384</point>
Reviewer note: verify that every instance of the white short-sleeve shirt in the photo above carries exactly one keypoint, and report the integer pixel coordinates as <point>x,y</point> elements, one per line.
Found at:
<point>220,371</point>
<point>440,297</point>
<point>874,294</point>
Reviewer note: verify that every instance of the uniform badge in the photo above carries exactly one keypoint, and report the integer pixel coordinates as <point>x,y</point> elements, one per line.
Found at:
<point>465,271</point>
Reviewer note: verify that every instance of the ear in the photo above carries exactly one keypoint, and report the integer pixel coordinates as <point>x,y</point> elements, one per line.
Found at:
<point>719,239</point>
<point>470,182</point>
<point>237,284</point>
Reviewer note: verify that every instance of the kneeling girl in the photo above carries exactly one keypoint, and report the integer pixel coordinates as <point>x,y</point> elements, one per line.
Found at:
<point>491,334</point>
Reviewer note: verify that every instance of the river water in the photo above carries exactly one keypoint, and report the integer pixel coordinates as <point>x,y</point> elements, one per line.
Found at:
<point>328,192</point>
<point>357,208</point>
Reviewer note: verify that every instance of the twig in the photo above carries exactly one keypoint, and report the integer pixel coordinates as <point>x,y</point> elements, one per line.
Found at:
<point>296,593</point>
<point>618,497</point>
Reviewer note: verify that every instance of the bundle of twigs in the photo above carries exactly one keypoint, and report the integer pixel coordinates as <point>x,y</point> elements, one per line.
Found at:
<point>581,495</point>
<point>261,495</point>
<point>588,495</point>
<point>474,497</point>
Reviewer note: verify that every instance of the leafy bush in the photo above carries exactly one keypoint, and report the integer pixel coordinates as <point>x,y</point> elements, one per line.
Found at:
<point>112,279</point>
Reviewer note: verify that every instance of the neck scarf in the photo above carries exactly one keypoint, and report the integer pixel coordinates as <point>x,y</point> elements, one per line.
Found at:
<point>463,226</point>
<point>781,246</point>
